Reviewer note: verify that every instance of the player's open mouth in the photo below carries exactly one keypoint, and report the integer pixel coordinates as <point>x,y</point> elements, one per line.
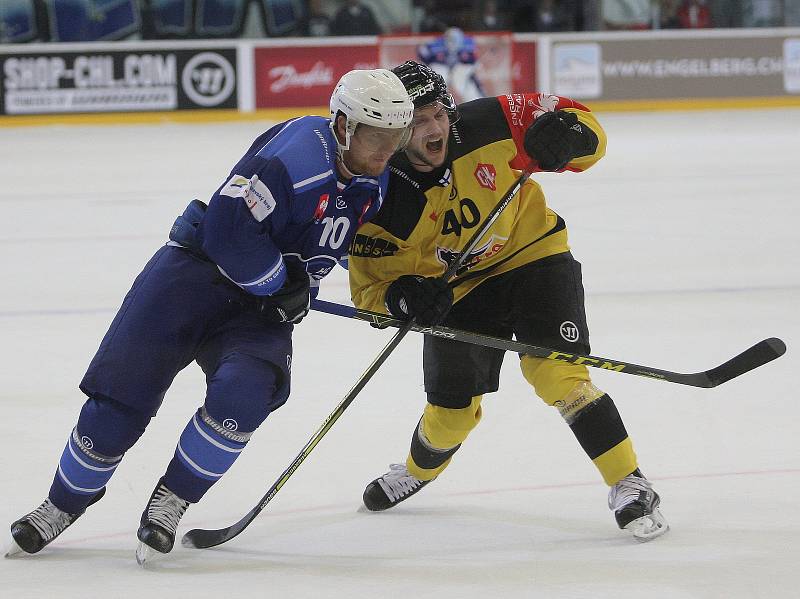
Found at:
<point>435,146</point>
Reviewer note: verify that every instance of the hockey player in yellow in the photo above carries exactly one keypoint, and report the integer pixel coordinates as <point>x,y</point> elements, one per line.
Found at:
<point>520,281</point>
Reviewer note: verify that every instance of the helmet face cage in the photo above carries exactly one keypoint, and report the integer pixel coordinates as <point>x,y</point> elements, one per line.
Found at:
<point>374,97</point>
<point>425,86</point>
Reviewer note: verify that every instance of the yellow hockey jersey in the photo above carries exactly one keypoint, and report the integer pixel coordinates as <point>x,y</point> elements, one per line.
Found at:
<point>428,218</point>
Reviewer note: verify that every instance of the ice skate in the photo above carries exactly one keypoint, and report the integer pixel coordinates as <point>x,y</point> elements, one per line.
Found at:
<point>635,506</point>
<point>35,531</point>
<point>12,549</point>
<point>159,522</point>
<point>390,489</point>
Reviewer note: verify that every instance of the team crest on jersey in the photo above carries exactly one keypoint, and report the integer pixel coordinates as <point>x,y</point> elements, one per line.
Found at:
<point>486,175</point>
<point>322,206</point>
<point>491,248</point>
<point>316,266</point>
<point>321,273</point>
<point>340,203</point>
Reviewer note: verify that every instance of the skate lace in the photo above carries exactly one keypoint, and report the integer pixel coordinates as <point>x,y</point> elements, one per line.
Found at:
<point>166,509</point>
<point>627,491</point>
<point>49,521</point>
<point>398,482</point>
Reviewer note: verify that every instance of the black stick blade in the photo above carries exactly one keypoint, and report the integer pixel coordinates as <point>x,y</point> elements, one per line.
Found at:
<point>758,355</point>
<point>199,538</point>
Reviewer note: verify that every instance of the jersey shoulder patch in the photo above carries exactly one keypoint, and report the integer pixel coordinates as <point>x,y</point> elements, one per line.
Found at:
<point>257,196</point>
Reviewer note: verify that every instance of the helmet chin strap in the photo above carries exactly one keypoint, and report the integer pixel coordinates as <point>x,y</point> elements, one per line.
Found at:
<point>340,162</point>
<point>350,129</point>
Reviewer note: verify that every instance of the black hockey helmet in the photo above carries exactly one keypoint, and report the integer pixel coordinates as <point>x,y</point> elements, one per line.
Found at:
<point>425,86</point>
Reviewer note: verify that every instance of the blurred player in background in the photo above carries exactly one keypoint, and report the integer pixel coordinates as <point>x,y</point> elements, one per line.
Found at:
<point>454,57</point>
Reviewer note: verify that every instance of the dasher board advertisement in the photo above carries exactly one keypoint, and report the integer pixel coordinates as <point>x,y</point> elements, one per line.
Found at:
<point>117,81</point>
<point>676,68</point>
<point>305,75</point>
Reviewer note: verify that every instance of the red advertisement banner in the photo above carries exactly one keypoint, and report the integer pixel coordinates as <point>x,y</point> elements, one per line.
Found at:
<point>305,76</point>
<point>523,67</point>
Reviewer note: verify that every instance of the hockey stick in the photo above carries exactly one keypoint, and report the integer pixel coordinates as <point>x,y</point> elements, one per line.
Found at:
<point>753,357</point>
<point>201,538</point>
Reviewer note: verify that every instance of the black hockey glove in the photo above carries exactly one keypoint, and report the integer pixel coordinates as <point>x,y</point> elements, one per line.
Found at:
<point>428,299</point>
<point>554,139</point>
<point>292,301</point>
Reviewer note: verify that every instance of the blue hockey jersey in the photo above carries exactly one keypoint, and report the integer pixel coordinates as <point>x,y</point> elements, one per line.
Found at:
<point>283,201</point>
<point>438,51</point>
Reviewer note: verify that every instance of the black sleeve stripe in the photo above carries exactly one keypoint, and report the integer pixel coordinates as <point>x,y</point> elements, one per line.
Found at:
<point>483,122</point>
<point>402,207</point>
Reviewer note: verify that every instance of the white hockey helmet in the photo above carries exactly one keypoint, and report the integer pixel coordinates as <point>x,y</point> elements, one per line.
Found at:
<point>373,97</point>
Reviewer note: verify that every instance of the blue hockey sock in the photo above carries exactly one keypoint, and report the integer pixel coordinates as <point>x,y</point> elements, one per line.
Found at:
<point>206,450</point>
<point>82,473</point>
<point>105,431</point>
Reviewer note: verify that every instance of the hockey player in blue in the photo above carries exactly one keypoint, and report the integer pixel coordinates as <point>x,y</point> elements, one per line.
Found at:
<point>454,56</point>
<point>226,291</point>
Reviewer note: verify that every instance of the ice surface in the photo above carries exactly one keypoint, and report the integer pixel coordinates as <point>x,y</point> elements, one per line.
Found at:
<point>688,235</point>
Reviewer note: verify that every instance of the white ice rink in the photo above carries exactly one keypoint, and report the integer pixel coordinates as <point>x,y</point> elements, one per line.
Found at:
<point>688,233</point>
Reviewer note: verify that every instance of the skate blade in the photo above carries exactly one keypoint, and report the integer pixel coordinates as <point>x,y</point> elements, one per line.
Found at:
<point>648,527</point>
<point>146,555</point>
<point>14,550</point>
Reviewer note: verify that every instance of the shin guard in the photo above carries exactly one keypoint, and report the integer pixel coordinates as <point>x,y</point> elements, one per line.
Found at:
<point>105,431</point>
<point>589,412</point>
<point>439,435</point>
<point>427,459</point>
<point>600,431</point>
<point>82,473</point>
<point>205,451</point>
